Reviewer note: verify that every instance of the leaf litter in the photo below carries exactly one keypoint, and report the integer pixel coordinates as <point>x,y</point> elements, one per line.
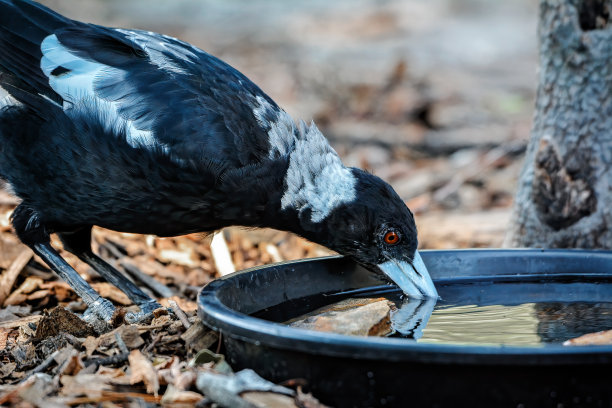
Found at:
<point>49,357</point>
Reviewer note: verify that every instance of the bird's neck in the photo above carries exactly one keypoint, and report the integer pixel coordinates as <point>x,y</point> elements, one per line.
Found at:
<point>296,188</point>
<point>313,182</point>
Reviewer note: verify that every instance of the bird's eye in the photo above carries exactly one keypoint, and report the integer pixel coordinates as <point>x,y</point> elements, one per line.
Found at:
<point>391,238</point>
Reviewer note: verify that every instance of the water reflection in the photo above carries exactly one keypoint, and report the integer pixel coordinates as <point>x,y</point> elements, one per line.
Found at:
<point>527,324</point>
<point>412,316</point>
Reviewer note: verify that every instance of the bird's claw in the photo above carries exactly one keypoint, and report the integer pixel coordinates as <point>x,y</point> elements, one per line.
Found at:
<point>146,312</point>
<point>101,309</point>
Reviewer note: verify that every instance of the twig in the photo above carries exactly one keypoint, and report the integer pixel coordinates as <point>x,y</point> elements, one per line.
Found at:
<point>121,344</point>
<point>179,313</point>
<point>220,343</point>
<point>7,280</point>
<point>44,365</point>
<point>157,287</point>
<point>112,360</point>
<point>73,340</point>
<point>11,324</point>
<point>153,343</point>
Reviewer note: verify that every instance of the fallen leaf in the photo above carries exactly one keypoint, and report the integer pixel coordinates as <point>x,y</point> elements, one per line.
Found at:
<point>8,277</point>
<point>108,291</point>
<point>142,370</point>
<point>90,385</point>
<point>174,395</point>
<point>269,400</point>
<point>28,286</point>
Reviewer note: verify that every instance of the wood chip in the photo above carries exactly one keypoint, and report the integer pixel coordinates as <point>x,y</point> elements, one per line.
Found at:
<point>8,278</point>
<point>11,324</point>
<point>199,337</point>
<point>221,255</point>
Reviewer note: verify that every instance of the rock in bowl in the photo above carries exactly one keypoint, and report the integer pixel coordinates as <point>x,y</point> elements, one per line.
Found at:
<point>556,291</point>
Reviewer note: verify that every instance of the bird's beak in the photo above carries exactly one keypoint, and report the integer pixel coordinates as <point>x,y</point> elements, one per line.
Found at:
<point>412,278</point>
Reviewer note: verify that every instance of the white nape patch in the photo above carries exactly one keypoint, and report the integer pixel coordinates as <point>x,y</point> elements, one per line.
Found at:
<point>281,133</point>
<point>316,178</point>
<point>76,87</point>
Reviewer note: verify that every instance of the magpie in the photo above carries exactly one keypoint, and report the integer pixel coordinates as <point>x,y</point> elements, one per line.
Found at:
<point>139,132</point>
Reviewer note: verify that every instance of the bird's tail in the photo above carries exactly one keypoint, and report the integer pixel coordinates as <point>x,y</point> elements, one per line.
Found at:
<point>24,24</point>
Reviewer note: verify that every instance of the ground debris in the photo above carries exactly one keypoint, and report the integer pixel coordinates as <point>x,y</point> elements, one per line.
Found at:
<point>359,317</point>
<point>244,389</point>
<point>59,321</point>
<point>434,137</point>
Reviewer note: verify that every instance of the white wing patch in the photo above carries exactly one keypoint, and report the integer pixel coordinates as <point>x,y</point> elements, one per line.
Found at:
<point>77,87</point>
<point>155,46</point>
<point>316,178</point>
<point>7,100</point>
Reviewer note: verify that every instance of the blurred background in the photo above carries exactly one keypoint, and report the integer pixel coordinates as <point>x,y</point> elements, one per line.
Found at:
<point>434,96</point>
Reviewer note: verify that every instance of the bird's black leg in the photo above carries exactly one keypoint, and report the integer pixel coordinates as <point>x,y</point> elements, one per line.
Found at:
<point>79,243</point>
<point>33,233</point>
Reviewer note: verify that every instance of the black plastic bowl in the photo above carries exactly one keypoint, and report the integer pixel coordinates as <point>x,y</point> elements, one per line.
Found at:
<point>350,371</point>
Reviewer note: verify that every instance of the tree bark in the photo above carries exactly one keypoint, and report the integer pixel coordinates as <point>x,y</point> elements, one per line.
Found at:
<point>564,197</point>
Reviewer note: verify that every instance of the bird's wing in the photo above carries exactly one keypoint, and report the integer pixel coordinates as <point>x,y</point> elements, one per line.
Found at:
<point>164,94</point>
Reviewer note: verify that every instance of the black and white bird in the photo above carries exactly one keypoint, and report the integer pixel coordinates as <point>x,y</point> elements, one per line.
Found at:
<point>139,132</point>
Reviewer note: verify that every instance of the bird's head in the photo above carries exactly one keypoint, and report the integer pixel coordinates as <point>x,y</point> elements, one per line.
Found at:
<point>378,231</point>
<point>352,212</point>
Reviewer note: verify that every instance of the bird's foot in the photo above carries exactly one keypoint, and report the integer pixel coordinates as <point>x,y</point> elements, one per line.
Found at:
<point>145,314</point>
<point>99,313</point>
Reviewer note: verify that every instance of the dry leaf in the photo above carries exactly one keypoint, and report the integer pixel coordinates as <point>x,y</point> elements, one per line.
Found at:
<point>174,395</point>
<point>269,400</point>
<point>108,291</point>
<point>142,370</point>
<point>8,277</point>
<point>90,385</point>
<point>28,286</point>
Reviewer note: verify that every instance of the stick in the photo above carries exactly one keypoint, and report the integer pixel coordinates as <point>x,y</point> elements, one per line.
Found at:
<point>44,365</point>
<point>121,344</point>
<point>179,313</point>
<point>112,360</point>
<point>150,282</point>
<point>11,324</point>
<point>8,278</point>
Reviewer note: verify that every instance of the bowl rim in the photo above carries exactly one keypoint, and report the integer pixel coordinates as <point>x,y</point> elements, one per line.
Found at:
<point>238,326</point>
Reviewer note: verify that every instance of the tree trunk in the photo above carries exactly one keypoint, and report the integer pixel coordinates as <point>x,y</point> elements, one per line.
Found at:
<point>564,198</point>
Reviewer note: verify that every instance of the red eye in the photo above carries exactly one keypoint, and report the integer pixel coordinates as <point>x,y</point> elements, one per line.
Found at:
<point>391,238</point>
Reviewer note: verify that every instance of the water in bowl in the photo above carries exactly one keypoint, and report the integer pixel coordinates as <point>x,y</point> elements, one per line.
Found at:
<point>484,313</point>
